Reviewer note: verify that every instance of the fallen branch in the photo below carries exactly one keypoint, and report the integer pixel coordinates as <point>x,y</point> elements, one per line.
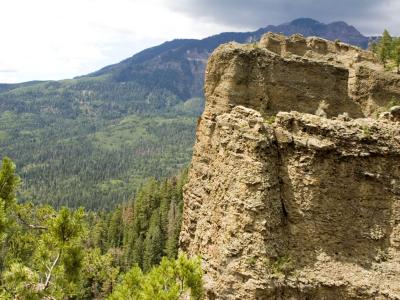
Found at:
<point>31,226</point>
<point>49,274</point>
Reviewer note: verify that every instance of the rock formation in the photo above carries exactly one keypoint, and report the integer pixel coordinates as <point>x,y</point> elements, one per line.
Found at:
<point>294,187</point>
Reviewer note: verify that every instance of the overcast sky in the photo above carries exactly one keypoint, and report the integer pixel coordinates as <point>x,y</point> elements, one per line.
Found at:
<point>56,39</point>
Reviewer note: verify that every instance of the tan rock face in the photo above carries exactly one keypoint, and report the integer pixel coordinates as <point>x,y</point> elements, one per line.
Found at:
<point>283,74</point>
<point>300,205</point>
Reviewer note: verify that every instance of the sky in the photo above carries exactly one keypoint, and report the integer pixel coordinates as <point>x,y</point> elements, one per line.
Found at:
<point>58,39</point>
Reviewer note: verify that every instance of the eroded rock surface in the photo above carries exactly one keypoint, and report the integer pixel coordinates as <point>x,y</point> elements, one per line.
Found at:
<point>286,199</point>
<point>296,73</point>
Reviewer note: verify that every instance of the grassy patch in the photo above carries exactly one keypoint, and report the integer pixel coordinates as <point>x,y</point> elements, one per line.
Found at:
<point>282,265</point>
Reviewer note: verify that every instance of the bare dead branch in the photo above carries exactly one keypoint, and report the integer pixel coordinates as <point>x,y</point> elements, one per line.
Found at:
<point>31,226</point>
<point>48,275</point>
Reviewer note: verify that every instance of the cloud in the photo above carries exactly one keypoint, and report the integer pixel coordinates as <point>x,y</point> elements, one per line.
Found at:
<point>370,16</point>
<point>47,39</point>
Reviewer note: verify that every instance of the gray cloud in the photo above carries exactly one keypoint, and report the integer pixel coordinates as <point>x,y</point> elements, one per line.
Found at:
<point>369,16</point>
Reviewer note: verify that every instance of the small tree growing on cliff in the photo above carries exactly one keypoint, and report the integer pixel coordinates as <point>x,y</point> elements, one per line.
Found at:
<point>396,54</point>
<point>385,47</point>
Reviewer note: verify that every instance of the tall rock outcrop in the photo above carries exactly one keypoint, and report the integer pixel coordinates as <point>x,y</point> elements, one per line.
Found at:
<point>294,187</point>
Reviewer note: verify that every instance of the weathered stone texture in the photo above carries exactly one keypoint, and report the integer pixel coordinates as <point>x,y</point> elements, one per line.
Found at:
<point>271,79</point>
<point>302,205</point>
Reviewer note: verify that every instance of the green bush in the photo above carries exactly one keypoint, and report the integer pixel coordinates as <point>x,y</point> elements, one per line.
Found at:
<point>168,281</point>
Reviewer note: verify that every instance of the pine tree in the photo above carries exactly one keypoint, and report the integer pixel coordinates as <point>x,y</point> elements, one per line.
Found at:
<point>9,182</point>
<point>99,275</point>
<point>171,280</point>
<point>166,196</point>
<point>115,228</point>
<point>130,287</point>
<point>385,47</point>
<point>396,54</point>
<point>99,235</point>
<point>171,245</point>
<point>153,248</point>
<point>137,251</point>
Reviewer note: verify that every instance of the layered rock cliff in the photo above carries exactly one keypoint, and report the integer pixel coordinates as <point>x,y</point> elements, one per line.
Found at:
<point>294,187</point>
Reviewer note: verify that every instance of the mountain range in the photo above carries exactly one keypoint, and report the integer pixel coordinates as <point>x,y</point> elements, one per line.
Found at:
<point>92,140</point>
<point>185,59</point>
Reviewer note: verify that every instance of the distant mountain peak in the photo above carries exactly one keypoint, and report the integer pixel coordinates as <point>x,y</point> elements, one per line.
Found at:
<point>338,30</point>
<point>304,22</point>
<point>340,23</point>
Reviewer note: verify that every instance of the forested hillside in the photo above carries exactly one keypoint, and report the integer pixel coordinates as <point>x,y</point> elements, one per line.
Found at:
<point>93,140</point>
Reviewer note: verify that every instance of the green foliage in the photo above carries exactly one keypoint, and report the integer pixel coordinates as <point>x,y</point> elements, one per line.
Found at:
<point>282,265</point>
<point>67,226</point>
<point>153,244</point>
<point>52,254</point>
<point>41,249</point>
<point>366,131</point>
<point>252,261</point>
<point>169,281</point>
<point>270,120</point>
<point>384,50</point>
<point>173,227</point>
<point>9,181</point>
<point>388,51</point>
<point>103,137</point>
<point>396,53</point>
<point>130,287</point>
<point>99,274</point>
<point>393,102</point>
<point>72,261</point>
<point>20,281</point>
<point>44,258</point>
<point>156,222</point>
<point>192,106</point>
<point>3,219</point>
